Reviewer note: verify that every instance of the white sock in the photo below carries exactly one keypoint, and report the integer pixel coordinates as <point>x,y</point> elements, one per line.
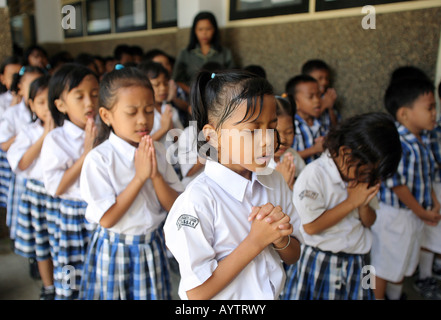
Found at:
<point>426,263</point>
<point>393,291</point>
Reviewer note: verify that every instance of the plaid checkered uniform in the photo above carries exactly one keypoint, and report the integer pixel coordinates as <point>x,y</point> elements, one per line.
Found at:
<point>416,170</point>
<point>74,234</point>
<point>17,186</point>
<point>324,275</point>
<point>5,178</point>
<point>136,270</point>
<point>32,237</point>
<point>304,138</point>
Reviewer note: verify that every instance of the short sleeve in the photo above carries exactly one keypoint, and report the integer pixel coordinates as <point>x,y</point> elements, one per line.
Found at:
<point>399,178</point>
<point>56,162</point>
<point>190,237</point>
<point>17,150</point>
<point>7,128</point>
<point>96,187</point>
<point>308,195</point>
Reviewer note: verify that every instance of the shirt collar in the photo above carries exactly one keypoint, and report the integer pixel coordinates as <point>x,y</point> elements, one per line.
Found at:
<point>72,130</point>
<point>122,147</point>
<point>232,182</point>
<point>409,136</point>
<point>198,51</point>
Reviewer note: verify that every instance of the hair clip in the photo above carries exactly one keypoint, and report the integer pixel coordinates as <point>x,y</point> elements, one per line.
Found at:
<point>213,75</point>
<point>119,66</point>
<point>22,71</point>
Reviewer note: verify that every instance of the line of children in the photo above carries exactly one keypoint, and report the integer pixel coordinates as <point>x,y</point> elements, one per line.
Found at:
<point>104,174</point>
<point>32,238</point>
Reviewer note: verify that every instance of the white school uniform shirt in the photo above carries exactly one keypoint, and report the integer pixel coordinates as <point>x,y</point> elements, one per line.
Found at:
<point>24,140</point>
<point>5,101</point>
<point>13,121</point>
<point>210,219</point>
<point>319,188</point>
<point>62,147</point>
<point>107,170</point>
<point>188,153</point>
<point>170,146</point>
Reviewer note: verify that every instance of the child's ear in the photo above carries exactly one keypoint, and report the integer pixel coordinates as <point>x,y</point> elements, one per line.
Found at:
<point>61,106</point>
<point>105,116</point>
<point>210,134</point>
<point>402,114</point>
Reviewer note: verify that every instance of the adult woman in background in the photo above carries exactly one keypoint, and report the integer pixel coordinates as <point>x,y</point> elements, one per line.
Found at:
<point>204,46</point>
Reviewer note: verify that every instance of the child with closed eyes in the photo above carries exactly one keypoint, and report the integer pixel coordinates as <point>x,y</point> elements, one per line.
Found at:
<point>232,227</point>
<point>129,187</point>
<point>73,102</point>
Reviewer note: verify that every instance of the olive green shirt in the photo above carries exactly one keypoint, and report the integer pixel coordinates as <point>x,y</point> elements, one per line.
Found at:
<point>190,62</point>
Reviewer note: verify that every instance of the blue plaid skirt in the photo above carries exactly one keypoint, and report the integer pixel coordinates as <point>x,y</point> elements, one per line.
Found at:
<point>17,186</point>
<point>32,237</point>
<point>323,275</point>
<point>126,267</point>
<point>5,179</point>
<point>73,235</point>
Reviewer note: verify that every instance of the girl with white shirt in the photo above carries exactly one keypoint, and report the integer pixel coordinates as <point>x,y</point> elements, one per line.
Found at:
<point>335,198</point>
<point>12,122</point>
<point>232,227</point>
<point>32,238</point>
<point>129,188</point>
<point>73,102</point>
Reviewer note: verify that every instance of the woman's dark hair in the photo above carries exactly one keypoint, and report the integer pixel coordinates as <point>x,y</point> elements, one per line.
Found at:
<point>215,96</point>
<point>37,86</point>
<point>215,41</point>
<point>31,49</point>
<point>153,69</point>
<point>67,78</point>
<point>373,140</point>
<point>17,77</point>
<point>109,86</point>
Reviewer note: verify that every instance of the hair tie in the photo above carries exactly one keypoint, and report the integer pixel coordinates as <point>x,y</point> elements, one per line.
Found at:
<point>213,75</point>
<point>119,66</point>
<point>22,71</point>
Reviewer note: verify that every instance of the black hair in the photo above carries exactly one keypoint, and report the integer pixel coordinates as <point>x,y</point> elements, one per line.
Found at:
<point>111,82</point>
<point>136,50</point>
<point>10,61</point>
<point>153,69</point>
<point>215,96</point>
<point>373,140</point>
<point>315,64</point>
<point>31,49</point>
<point>256,69</point>
<point>212,66</point>
<point>405,72</point>
<point>151,54</point>
<point>286,108</point>
<point>120,50</point>
<point>291,87</point>
<point>60,58</point>
<point>86,60</point>
<point>404,92</point>
<point>215,41</point>
<point>37,86</point>
<point>17,77</point>
<point>67,78</point>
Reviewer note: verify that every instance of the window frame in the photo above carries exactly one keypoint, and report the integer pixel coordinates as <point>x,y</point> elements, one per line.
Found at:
<point>158,25</point>
<point>267,12</point>
<point>130,29</point>
<point>94,33</point>
<point>323,5</point>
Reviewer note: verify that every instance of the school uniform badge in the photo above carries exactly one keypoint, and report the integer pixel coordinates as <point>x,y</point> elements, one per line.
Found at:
<point>187,221</point>
<point>308,194</point>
